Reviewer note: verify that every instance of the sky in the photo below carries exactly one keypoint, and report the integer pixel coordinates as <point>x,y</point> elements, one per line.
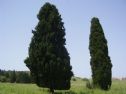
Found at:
<point>18,19</point>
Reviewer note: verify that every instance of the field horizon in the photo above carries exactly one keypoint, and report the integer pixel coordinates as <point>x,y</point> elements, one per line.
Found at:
<point>78,86</point>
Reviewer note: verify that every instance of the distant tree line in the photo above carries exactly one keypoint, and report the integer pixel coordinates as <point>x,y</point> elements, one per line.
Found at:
<point>15,76</point>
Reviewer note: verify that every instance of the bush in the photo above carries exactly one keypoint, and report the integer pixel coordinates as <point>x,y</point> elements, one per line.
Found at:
<point>3,79</point>
<point>85,79</point>
<point>89,84</point>
<point>73,79</point>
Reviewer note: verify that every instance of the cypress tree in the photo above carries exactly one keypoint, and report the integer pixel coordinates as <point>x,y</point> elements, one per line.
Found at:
<point>100,61</point>
<point>49,60</point>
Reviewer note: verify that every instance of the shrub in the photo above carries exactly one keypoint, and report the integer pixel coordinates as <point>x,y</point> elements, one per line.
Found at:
<point>74,79</point>
<point>89,84</point>
<point>3,79</point>
<point>85,79</point>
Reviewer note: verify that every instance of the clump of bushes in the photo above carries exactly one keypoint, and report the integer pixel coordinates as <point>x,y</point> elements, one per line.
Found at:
<point>73,79</point>
<point>85,79</point>
<point>89,84</point>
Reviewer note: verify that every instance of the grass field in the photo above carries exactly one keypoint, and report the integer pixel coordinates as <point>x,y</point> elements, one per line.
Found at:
<point>77,87</point>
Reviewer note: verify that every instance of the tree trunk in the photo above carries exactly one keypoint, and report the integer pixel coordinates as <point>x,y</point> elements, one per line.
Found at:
<point>52,90</point>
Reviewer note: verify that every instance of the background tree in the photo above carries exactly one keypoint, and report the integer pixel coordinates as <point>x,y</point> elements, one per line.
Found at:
<point>12,76</point>
<point>100,61</point>
<point>4,76</point>
<point>23,77</point>
<point>48,59</point>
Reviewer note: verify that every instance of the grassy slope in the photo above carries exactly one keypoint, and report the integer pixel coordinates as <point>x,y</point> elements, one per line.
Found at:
<point>78,87</point>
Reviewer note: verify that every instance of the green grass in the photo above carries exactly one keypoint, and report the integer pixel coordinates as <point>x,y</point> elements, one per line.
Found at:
<point>77,87</point>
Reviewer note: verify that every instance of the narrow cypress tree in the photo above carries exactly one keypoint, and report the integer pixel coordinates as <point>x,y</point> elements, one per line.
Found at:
<point>100,61</point>
<point>49,60</point>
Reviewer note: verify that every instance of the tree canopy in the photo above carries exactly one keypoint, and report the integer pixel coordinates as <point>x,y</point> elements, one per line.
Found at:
<point>100,61</point>
<point>48,59</point>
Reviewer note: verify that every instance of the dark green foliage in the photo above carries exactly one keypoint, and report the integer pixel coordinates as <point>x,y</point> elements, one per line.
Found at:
<point>73,79</point>
<point>23,77</point>
<point>4,76</point>
<point>89,84</point>
<point>15,76</point>
<point>3,79</point>
<point>85,79</point>
<point>100,61</point>
<point>12,77</point>
<point>48,59</point>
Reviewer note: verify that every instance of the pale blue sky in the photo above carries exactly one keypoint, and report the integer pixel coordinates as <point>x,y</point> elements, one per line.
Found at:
<point>18,18</point>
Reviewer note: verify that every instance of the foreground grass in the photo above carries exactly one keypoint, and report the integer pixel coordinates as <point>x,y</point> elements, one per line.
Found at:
<point>77,87</point>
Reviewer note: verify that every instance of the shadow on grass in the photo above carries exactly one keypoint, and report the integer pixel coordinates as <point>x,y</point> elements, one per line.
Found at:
<point>72,92</point>
<point>68,92</point>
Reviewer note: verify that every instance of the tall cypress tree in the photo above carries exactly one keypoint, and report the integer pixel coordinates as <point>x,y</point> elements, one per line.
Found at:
<point>100,61</point>
<point>49,60</point>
